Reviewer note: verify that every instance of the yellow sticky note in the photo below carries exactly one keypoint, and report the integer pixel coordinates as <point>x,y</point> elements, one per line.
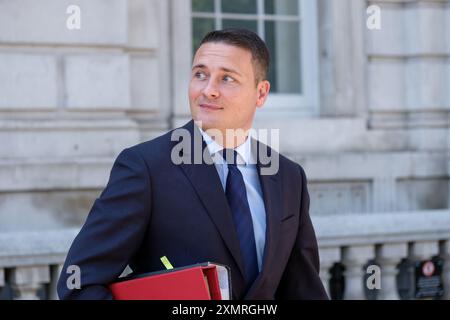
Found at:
<point>166,263</point>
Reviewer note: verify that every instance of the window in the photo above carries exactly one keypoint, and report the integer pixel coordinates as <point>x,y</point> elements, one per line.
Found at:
<point>289,30</point>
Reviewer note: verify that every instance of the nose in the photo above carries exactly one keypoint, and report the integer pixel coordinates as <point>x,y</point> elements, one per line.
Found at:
<point>211,91</point>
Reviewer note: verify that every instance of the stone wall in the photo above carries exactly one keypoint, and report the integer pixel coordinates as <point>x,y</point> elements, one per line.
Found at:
<point>71,100</point>
<point>381,142</point>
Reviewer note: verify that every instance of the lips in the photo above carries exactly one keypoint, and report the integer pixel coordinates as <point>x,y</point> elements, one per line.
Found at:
<point>208,106</point>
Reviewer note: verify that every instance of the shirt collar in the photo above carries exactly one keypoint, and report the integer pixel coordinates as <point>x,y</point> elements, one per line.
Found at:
<point>243,150</point>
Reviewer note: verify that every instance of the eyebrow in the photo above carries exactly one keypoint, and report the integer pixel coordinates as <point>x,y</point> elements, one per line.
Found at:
<point>202,66</point>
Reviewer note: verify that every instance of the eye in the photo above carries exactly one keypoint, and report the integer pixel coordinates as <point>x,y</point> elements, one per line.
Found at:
<point>228,79</point>
<point>200,75</point>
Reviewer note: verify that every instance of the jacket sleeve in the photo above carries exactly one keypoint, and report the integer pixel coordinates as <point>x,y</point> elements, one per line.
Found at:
<point>300,278</point>
<point>113,231</point>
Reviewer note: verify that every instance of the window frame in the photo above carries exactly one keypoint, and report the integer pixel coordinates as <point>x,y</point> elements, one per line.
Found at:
<point>307,103</point>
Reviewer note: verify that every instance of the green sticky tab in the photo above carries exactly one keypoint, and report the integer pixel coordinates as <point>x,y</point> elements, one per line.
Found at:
<point>166,263</point>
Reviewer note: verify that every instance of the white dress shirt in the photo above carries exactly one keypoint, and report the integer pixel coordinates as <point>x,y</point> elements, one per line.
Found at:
<point>252,185</point>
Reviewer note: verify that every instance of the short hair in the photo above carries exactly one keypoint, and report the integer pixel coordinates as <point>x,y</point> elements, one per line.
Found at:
<point>244,39</point>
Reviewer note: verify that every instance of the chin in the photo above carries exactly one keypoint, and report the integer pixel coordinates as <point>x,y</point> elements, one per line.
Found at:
<point>207,121</point>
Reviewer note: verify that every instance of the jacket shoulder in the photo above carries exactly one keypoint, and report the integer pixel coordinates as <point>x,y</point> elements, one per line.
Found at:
<point>157,149</point>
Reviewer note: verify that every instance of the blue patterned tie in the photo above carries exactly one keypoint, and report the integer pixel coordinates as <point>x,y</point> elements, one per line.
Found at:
<point>237,200</point>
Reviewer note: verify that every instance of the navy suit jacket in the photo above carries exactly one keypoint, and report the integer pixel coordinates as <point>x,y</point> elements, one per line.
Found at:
<point>152,207</point>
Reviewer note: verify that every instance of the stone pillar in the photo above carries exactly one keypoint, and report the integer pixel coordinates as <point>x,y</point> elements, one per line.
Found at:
<point>341,43</point>
<point>55,271</point>
<point>354,258</point>
<point>389,256</point>
<point>445,254</point>
<point>328,256</point>
<point>26,281</point>
<point>2,278</point>
<point>181,59</point>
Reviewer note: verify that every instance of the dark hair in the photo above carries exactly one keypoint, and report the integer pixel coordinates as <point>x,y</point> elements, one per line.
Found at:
<point>244,39</point>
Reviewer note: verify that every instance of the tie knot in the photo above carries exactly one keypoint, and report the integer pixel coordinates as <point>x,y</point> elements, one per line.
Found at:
<point>230,156</point>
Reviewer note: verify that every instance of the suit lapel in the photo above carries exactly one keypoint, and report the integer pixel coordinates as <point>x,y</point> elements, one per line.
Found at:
<point>206,182</point>
<point>271,189</point>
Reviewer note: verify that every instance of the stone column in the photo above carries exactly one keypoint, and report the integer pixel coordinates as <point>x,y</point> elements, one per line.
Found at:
<point>55,271</point>
<point>2,278</point>
<point>26,281</point>
<point>341,55</point>
<point>328,256</point>
<point>389,256</point>
<point>445,254</point>
<point>354,258</point>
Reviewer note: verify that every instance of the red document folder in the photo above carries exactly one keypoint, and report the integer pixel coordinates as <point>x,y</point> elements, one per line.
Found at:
<point>206,281</point>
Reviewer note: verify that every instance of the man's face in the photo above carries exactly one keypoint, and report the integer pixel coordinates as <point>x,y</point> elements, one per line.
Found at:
<point>223,93</point>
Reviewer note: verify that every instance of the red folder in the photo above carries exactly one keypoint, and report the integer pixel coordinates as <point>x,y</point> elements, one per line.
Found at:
<point>205,281</point>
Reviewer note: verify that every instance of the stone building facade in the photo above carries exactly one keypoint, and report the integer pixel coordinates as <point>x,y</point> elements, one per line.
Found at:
<point>370,124</point>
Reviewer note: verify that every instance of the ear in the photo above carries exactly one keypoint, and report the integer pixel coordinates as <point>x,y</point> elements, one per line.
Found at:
<point>262,92</point>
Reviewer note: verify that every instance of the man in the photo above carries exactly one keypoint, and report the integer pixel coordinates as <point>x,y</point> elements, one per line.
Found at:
<point>225,211</point>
